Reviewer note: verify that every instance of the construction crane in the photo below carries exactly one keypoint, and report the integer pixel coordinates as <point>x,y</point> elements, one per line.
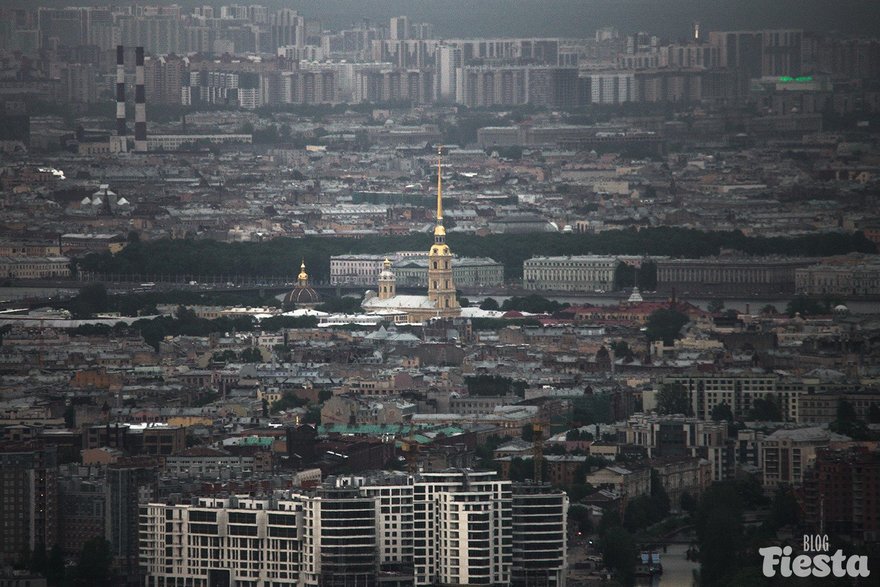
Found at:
<point>410,448</point>
<point>538,427</point>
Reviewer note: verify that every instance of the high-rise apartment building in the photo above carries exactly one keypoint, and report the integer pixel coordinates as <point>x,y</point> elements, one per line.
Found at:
<point>399,28</point>
<point>450,527</point>
<point>840,493</point>
<point>28,499</point>
<point>540,518</point>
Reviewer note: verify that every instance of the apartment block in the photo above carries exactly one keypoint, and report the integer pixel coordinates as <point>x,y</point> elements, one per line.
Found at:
<point>454,527</point>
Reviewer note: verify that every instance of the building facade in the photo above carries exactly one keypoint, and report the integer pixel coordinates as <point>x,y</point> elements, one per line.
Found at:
<point>454,527</point>
<point>571,273</point>
<point>861,279</point>
<point>412,271</point>
<point>787,454</point>
<point>730,274</point>
<point>840,493</point>
<point>28,499</point>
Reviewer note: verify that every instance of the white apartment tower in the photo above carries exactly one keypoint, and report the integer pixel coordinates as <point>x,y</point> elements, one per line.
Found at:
<point>449,62</point>
<point>453,527</point>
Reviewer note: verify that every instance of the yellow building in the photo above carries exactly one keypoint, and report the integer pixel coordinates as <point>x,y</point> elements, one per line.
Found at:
<point>441,301</point>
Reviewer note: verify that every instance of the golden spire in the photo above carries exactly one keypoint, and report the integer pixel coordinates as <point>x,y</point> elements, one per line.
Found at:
<point>303,277</point>
<point>439,230</point>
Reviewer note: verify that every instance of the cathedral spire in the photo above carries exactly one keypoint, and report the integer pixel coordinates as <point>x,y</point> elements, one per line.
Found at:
<point>439,228</point>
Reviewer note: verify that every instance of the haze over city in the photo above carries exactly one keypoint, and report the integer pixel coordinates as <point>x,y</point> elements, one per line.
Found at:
<point>408,293</point>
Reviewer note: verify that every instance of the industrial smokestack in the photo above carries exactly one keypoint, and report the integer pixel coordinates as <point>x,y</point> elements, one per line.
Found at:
<point>120,91</point>
<point>140,103</point>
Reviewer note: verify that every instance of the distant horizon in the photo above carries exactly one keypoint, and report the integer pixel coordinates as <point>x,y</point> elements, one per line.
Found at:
<point>564,18</point>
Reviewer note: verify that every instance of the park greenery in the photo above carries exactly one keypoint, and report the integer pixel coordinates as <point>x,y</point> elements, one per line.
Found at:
<point>532,304</point>
<point>186,323</point>
<point>665,324</point>
<point>672,399</point>
<point>94,298</point>
<point>94,567</point>
<point>282,256</point>
<point>494,385</point>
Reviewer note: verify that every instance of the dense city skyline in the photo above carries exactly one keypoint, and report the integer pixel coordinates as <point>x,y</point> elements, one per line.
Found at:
<point>567,18</point>
<point>398,294</point>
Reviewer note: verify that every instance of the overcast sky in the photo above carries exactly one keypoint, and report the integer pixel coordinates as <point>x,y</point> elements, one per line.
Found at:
<point>571,18</point>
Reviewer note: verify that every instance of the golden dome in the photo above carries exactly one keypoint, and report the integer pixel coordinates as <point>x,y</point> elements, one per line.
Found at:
<point>303,276</point>
<point>386,271</point>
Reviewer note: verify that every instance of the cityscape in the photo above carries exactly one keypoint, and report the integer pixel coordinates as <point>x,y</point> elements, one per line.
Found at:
<point>439,294</point>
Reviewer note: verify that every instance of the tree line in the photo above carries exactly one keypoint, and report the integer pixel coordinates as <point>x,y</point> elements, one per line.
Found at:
<point>282,256</point>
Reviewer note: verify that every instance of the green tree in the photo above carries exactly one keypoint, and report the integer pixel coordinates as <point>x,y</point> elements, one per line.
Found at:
<point>647,275</point>
<point>688,502</point>
<point>313,416</point>
<point>638,513</point>
<point>660,504</point>
<point>533,304</point>
<point>621,349</point>
<point>847,422</point>
<point>95,562</point>
<point>624,276</point>
<point>528,433</point>
<point>722,412</point>
<point>485,451</point>
<point>275,257</point>
<point>70,416</point>
<point>490,304</point>
<point>55,567</point>
<point>493,385</point>
<point>342,305</point>
<point>784,508</point>
<point>90,300</point>
<point>874,413</point>
<point>715,306</point>
<point>575,434</point>
<point>765,410</point>
<point>286,402</point>
<point>38,561</point>
<point>251,355</point>
<point>673,398</point>
<point>580,520</point>
<point>805,306</point>
<point>665,324</point>
<point>591,409</point>
<point>620,553</point>
<point>719,529</point>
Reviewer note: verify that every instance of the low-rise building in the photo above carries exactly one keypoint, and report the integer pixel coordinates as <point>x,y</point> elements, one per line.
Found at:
<point>731,274</point>
<point>787,454</point>
<point>682,475</point>
<point>571,273</point>
<point>856,279</point>
<point>628,483</point>
<point>34,267</point>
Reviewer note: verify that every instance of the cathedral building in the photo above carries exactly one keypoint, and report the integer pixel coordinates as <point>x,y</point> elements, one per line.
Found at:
<point>441,301</point>
<point>303,295</point>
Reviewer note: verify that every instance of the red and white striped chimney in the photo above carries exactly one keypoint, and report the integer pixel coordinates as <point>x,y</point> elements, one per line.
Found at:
<point>140,103</point>
<point>120,91</point>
